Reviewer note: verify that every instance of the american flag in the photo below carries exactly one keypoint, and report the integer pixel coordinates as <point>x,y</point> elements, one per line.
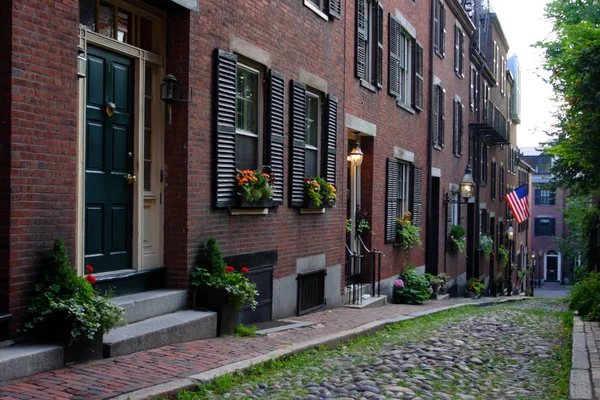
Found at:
<point>519,205</point>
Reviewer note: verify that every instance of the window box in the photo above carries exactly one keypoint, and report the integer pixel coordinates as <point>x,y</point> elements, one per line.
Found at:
<point>326,204</point>
<point>262,203</point>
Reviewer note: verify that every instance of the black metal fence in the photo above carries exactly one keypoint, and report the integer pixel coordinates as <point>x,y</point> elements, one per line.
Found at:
<point>311,291</point>
<point>361,269</point>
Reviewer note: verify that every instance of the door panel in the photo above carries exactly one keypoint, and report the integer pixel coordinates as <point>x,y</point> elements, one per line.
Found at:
<point>108,195</point>
<point>551,268</point>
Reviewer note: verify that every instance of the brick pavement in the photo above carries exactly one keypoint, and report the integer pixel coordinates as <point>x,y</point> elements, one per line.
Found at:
<point>121,375</point>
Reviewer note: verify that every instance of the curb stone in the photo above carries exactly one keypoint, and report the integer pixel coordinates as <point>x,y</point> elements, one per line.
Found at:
<point>192,381</point>
<point>580,382</point>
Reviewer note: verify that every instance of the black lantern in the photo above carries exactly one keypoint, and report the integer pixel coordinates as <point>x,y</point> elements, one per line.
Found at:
<point>81,62</point>
<point>169,89</point>
<point>466,184</point>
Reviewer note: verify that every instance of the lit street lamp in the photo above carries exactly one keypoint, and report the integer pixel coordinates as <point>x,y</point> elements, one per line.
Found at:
<point>510,233</point>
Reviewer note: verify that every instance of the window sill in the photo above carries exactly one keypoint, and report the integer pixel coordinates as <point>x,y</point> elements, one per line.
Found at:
<point>248,211</point>
<point>437,147</point>
<point>406,108</point>
<point>457,155</point>
<point>312,211</point>
<point>440,54</point>
<point>459,76</point>
<point>316,10</point>
<point>368,86</point>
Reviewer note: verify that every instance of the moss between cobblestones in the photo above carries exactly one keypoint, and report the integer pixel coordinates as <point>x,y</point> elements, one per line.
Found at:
<point>313,365</point>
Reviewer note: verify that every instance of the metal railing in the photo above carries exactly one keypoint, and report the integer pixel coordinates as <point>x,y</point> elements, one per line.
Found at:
<point>353,277</point>
<point>311,291</point>
<point>375,257</point>
<point>496,120</point>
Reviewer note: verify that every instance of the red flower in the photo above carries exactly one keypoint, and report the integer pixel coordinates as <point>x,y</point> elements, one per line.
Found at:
<point>89,268</point>
<point>229,269</point>
<point>244,269</point>
<point>90,278</point>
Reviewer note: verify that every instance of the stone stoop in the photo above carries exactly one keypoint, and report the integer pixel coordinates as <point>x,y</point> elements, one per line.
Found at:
<point>157,318</point>
<point>370,302</point>
<point>23,360</point>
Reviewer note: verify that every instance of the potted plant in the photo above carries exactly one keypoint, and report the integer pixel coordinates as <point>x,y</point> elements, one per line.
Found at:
<point>255,187</point>
<point>486,244</point>
<point>362,223</point>
<point>437,283</point>
<point>407,235</point>
<point>221,288</point>
<point>497,287</point>
<point>502,256</point>
<point>66,309</point>
<point>458,241</point>
<point>411,288</point>
<point>474,288</point>
<point>319,193</point>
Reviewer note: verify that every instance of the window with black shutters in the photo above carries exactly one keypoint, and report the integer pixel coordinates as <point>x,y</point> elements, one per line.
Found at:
<point>494,180</point>
<point>474,89</point>
<point>313,138</point>
<point>502,180</point>
<point>544,197</point>
<point>458,126</point>
<point>249,131</point>
<point>439,26</point>
<point>483,157</point>
<point>545,227</point>
<point>325,8</point>
<point>459,51</point>
<point>369,43</point>
<point>439,117</point>
<point>405,82</point>
<point>404,192</point>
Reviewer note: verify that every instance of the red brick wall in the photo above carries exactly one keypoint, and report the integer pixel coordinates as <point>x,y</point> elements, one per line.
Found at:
<point>295,38</point>
<point>396,127</point>
<point>5,130</point>
<point>43,139</point>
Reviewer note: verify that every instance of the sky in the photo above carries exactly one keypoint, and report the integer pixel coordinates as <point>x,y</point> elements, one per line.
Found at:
<point>524,24</point>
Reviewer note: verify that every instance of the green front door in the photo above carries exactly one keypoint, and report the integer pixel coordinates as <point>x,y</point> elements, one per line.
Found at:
<point>108,161</point>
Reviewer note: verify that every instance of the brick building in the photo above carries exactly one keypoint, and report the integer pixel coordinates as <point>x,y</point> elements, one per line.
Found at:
<point>135,178</point>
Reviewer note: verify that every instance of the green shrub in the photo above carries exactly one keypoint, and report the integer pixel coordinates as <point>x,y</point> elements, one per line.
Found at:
<point>580,272</point>
<point>411,288</point>
<point>585,297</point>
<point>458,241</point>
<point>473,285</point>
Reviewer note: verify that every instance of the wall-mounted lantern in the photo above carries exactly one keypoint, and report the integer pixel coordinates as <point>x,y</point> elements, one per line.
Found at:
<point>169,89</point>
<point>81,62</point>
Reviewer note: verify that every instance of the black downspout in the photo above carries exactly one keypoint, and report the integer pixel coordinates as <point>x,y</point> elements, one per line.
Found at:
<point>428,243</point>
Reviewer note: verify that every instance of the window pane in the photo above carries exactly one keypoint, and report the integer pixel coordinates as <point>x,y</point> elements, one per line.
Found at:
<point>107,20</point>
<point>87,14</point>
<point>247,100</point>
<point>246,152</point>
<point>124,28</point>
<point>312,119</point>
<point>146,41</point>
<point>148,130</point>
<point>310,168</point>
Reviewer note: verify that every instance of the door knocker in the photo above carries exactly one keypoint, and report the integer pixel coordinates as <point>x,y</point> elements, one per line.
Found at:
<point>110,109</point>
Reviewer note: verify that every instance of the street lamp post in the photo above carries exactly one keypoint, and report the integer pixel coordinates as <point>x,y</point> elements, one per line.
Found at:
<point>356,159</point>
<point>531,282</point>
<point>510,233</point>
<point>540,254</point>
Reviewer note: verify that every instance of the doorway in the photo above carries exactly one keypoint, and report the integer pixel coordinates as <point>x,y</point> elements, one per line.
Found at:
<point>552,266</point>
<point>108,162</point>
<point>433,228</point>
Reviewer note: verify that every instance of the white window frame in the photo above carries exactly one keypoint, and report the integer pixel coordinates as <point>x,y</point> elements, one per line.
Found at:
<point>259,111</point>
<point>406,73</point>
<point>314,94</point>
<point>403,195</point>
<point>317,8</point>
<point>459,51</point>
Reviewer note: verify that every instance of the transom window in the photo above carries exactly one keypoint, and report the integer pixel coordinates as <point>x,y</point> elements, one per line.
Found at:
<point>119,23</point>
<point>313,123</point>
<point>247,117</point>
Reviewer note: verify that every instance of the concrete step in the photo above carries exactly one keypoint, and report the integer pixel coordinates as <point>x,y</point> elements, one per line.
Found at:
<point>27,359</point>
<point>369,302</point>
<point>177,327</point>
<point>144,305</point>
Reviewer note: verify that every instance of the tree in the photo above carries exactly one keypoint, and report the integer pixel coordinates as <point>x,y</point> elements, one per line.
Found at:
<point>572,56</point>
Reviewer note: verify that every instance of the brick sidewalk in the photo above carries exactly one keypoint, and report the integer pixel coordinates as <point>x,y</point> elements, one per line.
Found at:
<point>117,376</point>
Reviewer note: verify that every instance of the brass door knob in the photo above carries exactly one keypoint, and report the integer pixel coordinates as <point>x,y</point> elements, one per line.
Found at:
<point>131,178</point>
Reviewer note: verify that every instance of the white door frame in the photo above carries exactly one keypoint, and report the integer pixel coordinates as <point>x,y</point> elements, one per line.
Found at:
<point>558,263</point>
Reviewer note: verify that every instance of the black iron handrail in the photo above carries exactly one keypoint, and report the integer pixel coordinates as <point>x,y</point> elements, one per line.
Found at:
<point>353,279</point>
<point>376,255</point>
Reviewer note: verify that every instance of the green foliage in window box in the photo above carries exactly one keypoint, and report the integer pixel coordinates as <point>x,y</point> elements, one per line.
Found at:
<point>486,244</point>
<point>65,306</point>
<point>318,191</point>
<point>216,274</point>
<point>474,285</point>
<point>502,256</point>
<point>407,234</point>
<point>458,241</point>
<point>255,185</point>
<point>411,288</point>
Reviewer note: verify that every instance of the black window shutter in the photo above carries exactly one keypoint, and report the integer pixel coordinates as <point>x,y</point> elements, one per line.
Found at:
<point>361,37</point>
<point>226,113</point>
<point>538,196</point>
<point>552,227</point>
<point>436,26</point>
<point>417,203</point>
<point>418,97</point>
<point>394,57</point>
<point>461,64</point>
<point>456,48</point>
<point>335,8</point>
<point>276,132</point>
<point>552,199</point>
<point>455,107</point>
<point>298,139</point>
<point>391,209</point>
<point>435,118</point>
<point>443,30</point>
<point>443,116</point>
<point>330,140</point>
<point>380,16</point>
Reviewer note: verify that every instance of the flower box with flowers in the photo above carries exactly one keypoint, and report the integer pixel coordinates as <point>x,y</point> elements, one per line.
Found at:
<point>255,188</point>
<point>319,193</point>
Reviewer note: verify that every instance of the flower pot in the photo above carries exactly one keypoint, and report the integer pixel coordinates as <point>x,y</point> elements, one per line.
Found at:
<point>84,350</point>
<point>216,300</point>
<point>309,204</point>
<point>262,203</point>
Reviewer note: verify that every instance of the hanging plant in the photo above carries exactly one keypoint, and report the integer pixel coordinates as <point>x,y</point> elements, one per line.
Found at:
<point>407,234</point>
<point>486,244</point>
<point>502,256</point>
<point>458,241</point>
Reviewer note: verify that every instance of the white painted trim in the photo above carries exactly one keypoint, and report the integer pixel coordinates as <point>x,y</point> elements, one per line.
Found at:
<point>313,81</point>
<point>316,10</point>
<point>359,125</point>
<point>558,265</point>
<point>404,155</point>
<point>250,51</point>
<point>436,172</point>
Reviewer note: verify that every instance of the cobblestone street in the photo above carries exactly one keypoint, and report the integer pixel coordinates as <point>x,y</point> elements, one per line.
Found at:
<point>492,353</point>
